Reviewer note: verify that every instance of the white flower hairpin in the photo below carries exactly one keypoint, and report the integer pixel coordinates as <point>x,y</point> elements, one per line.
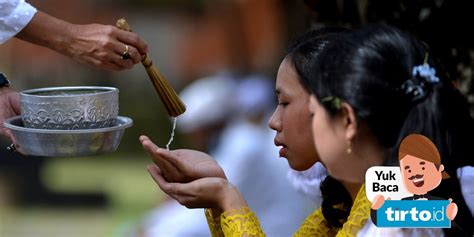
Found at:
<point>426,71</point>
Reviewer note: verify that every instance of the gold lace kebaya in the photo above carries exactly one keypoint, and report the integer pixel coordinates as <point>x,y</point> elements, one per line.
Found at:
<point>244,223</point>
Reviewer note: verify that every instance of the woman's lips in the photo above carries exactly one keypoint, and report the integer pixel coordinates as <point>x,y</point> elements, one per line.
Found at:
<point>283,151</point>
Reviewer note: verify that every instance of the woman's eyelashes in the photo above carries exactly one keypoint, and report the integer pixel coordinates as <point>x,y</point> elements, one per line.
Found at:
<point>282,101</point>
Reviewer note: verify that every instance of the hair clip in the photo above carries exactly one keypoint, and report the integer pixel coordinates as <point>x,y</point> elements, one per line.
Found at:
<point>417,86</point>
<point>335,102</point>
<point>416,91</point>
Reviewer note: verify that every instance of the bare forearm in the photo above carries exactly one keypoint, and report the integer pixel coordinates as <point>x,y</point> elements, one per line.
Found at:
<point>47,31</point>
<point>94,44</point>
<point>231,199</point>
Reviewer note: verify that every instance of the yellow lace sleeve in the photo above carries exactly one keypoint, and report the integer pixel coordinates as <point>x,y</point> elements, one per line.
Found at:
<point>244,223</point>
<point>214,222</point>
<point>234,223</point>
<point>240,223</point>
<point>315,225</point>
<point>360,212</point>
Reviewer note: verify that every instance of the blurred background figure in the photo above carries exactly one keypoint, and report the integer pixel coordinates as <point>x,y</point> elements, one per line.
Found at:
<point>308,182</point>
<point>209,108</point>
<point>228,114</point>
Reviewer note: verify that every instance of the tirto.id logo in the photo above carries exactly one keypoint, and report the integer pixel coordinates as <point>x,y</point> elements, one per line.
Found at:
<point>397,213</point>
<point>400,195</point>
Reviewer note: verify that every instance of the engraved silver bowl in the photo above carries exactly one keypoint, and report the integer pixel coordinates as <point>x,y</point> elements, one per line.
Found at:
<point>69,108</point>
<point>65,143</point>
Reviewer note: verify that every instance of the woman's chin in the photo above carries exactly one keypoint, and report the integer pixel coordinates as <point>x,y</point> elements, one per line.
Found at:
<point>298,166</point>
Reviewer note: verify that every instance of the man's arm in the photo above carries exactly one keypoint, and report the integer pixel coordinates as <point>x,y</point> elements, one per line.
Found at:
<point>94,44</point>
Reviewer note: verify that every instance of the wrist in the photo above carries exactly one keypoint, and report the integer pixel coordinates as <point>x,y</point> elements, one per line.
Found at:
<point>64,38</point>
<point>4,90</point>
<point>231,199</point>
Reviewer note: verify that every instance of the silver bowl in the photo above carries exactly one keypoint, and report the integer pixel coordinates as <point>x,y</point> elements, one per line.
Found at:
<point>69,108</point>
<point>63,143</point>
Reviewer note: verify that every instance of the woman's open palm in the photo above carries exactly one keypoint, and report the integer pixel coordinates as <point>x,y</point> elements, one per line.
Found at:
<point>182,165</point>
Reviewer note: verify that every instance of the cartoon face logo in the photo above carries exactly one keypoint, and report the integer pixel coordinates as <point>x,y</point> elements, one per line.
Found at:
<point>421,171</point>
<point>420,176</point>
<point>420,164</point>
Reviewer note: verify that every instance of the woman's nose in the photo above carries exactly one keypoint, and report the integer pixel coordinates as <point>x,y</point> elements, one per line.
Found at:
<point>274,122</point>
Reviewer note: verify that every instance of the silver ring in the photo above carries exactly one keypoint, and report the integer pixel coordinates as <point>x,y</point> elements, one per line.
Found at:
<point>11,148</point>
<point>125,55</point>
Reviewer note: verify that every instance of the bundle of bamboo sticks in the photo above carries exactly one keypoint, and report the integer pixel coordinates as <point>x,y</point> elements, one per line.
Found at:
<point>168,95</point>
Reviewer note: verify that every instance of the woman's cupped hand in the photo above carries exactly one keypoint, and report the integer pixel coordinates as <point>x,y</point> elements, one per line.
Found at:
<point>182,166</point>
<point>192,178</point>
<point>210,192</point>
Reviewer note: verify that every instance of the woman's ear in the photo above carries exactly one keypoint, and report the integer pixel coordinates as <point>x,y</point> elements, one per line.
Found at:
<point>349,120</point>
<point>312,103</point>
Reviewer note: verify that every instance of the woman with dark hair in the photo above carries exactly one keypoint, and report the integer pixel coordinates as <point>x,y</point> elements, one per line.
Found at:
<point>381,86</point>
<point>290,120</point>
<point>369,93</point>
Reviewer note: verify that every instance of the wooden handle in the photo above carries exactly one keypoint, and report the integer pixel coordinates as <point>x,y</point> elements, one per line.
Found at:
<point>168,95</point>
<point>123,25</point>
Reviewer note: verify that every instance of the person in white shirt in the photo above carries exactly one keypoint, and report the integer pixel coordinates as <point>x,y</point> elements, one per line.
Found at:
<point>101,46</point>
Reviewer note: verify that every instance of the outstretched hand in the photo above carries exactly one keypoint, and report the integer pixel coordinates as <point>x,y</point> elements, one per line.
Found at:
<point>182,165</point>
<point>101,46</point>
<point>201,193</point>
<point>9,107</point>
